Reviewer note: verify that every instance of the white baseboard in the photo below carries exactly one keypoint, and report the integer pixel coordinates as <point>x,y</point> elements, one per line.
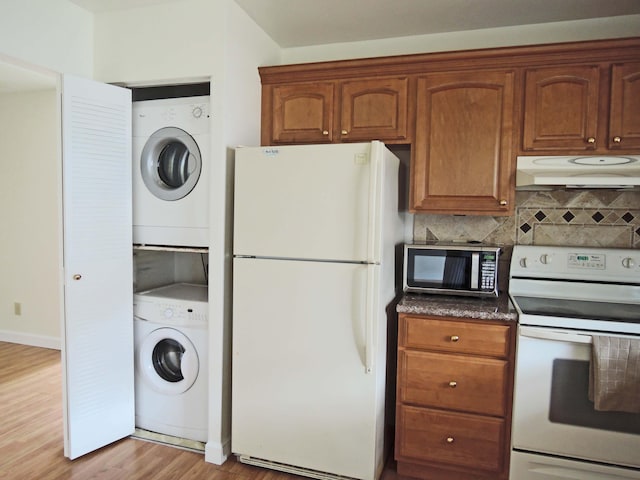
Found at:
<point>30,339</point>
<point>216,452</point>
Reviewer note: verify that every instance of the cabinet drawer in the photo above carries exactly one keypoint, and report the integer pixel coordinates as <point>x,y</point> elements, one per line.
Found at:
<point>462,440</point>
<point>452,336</point>
<point>469,384</point>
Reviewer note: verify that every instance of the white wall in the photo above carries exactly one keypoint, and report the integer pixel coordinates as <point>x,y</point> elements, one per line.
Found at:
<point>601,28</point>
<point>30,212</point>
<point>236,121</point>
<point>55,34</point>
<point>166,41</point>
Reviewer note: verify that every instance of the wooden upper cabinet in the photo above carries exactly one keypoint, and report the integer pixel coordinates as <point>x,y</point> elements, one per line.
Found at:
<point>624,120</point>
<point>582,109</point>
<point>463,142</point>
<point>336,111</point>
<point>301,113</point>
<point>561,108</point>
<point>374,109</point>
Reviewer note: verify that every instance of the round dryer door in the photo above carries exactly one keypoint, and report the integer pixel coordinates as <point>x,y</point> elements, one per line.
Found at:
<point>171,163</point>
<point>168,361</point>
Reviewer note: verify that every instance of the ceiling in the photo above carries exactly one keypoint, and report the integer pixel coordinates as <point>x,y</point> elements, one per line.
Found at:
<point>296,23</point>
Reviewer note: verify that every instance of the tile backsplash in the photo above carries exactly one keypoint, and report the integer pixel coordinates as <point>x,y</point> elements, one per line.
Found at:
<point>595,218</point>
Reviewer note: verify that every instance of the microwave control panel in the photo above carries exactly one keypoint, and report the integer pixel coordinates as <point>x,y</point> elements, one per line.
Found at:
<point>488,269</point>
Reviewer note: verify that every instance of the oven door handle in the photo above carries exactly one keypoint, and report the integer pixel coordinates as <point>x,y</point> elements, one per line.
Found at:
<point>547,334</point>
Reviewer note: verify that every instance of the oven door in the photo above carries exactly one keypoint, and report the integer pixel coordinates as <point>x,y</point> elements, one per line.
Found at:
<point>552,413</point>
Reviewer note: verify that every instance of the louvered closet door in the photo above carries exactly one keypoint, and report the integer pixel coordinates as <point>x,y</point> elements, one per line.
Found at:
<point>98,389</point>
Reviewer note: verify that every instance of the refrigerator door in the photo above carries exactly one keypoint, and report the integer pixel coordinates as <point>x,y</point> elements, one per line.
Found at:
<point>310,201</point>
<point>301,393</point>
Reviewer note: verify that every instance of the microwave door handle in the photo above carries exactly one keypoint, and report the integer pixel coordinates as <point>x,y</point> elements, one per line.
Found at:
<point>544,334</point>
<point>475,268</point>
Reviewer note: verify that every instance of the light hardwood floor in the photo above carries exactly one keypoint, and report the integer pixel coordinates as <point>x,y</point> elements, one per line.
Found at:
<point>31,443</point>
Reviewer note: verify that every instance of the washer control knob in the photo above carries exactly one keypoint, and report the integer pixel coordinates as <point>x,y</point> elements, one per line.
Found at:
<point>628,262</point>
<point>544,259</point>
<point>168,313</point>
<point>197,112</point>
<point>523,262</point>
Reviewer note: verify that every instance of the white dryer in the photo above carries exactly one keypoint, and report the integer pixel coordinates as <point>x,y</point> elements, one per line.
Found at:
<point>171,168</point>
<point>170,328</point>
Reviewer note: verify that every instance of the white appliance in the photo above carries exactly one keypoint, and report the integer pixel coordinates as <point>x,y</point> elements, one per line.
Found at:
<point>315,234</point>
<point>171,165</point>
<point>564,297</point>
<point>170,332</point>
<point>578,172</point>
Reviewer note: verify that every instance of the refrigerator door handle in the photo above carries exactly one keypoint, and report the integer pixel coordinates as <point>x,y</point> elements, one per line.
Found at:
<point>370,318</point>
<point>374,201</point>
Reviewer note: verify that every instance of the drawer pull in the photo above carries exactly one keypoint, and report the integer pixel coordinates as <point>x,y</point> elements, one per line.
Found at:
<point>454,338</point>
<point>453,384</point>
<point>450,439</point>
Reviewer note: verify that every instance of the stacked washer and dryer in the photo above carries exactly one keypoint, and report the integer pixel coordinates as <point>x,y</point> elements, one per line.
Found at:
<point>170,211</point>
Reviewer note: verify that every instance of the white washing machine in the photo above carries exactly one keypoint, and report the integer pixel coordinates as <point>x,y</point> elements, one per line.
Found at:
<point>170,328</point>
<point>171,167</point>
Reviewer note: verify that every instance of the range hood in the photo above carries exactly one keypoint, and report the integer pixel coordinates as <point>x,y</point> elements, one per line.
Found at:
<point>543,173</point>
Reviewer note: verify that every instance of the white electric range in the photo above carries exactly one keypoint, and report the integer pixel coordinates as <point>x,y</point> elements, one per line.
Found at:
<point>564,297</point>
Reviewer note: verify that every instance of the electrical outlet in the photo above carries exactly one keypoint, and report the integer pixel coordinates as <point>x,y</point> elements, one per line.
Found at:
<point>17,308</point>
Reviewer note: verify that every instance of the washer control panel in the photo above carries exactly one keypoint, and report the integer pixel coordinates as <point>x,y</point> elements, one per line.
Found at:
<point>176,304</point>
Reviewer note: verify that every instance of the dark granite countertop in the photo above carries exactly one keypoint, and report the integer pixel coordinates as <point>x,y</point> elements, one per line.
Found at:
<point>494,308</point>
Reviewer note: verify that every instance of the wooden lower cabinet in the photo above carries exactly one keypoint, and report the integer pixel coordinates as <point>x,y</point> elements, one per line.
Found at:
<point>454,394</point>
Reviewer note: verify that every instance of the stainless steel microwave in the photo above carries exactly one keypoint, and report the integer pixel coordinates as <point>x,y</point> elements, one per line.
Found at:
<point>451,269</point>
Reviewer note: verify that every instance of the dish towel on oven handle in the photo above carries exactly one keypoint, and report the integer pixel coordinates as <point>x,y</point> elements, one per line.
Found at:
<point>614,374</point>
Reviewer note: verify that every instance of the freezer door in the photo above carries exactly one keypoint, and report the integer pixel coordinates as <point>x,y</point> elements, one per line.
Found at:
<point>301,394</point>
<point>310,201</point>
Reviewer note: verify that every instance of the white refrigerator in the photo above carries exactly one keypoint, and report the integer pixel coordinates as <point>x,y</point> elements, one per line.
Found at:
<point>316,229</point>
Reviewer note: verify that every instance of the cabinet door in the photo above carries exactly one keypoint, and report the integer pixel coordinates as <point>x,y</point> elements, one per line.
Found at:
<point>462,156</point>
<point>374,109</point>
<point>97,339</point>
<point>624,127</point>
<point>302,113</point>
<point>561,108</point>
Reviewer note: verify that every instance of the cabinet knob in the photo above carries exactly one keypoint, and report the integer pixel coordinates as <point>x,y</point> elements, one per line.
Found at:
<point>325,132</point>
<point>344,132</point>
<point>453,384</point>
<point>591,140</point>
<point>454,338</point>
<point>617,139</point>
<point>450,439</point>
<point>503,203</point>
<point>77,276</point>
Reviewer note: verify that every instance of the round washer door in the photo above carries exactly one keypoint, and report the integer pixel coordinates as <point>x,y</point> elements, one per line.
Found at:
<point>168,361</point>
<point>170,163</point>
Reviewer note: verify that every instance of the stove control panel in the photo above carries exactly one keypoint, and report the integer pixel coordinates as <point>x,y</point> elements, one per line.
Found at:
<point>579,263</point>
<point>587,260</point>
